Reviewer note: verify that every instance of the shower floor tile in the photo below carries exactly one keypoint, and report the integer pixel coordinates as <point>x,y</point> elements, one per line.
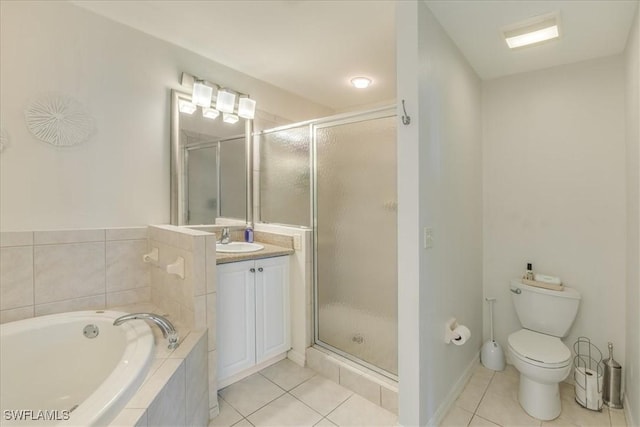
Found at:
<point>285,394</point>
<point>491,399</point>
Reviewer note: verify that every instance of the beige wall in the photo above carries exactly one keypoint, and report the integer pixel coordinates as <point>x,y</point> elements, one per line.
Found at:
<point>554,191</point>
<point>120,177</point>
<point>632,369</point>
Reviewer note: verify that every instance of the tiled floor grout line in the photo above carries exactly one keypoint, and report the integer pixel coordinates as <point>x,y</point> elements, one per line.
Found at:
<point>484,393</point>
<point>314,412</point>
<point>273,400</point>
<point>339,405</point>
<point>295,397</point>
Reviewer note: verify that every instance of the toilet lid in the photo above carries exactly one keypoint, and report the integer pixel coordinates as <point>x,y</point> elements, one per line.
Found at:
<point>539,347</point>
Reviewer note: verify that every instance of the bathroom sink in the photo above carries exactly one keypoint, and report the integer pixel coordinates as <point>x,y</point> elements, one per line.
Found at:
<point>238,247</point>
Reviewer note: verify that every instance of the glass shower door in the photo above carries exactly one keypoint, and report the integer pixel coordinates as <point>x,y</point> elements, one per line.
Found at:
<point>355,236</point>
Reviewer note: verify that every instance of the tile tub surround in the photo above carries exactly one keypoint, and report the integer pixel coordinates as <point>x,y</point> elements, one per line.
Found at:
<point>175,391</point>
<point>372,386</point>
<point>192,300</point>
<point>491,399</point>
<point>47,272</point>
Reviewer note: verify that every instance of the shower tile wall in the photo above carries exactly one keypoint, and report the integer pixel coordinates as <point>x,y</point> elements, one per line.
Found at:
<point>46,272</point>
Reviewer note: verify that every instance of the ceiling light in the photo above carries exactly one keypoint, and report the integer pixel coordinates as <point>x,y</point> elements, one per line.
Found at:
<point>246,107</point>
<point>201,94</point>
<point>361,82</point>
<point>532,31</point>
<point>230,118</point>
<point>210,113</point>
<point>186,107</point>
<point>225,101</point>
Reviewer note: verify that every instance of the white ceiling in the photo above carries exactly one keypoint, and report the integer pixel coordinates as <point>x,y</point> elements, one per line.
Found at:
<point>313,48</point>
<point>588,29</point>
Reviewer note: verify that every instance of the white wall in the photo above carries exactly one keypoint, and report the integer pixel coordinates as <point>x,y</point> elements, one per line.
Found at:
<point>439,186</point>
<point>632,368</point>
<point>554,191</point>
<point>119,177</point>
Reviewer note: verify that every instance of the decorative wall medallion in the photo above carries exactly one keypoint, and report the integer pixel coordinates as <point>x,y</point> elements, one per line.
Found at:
<point>4,139</point>
<point>59,120</point>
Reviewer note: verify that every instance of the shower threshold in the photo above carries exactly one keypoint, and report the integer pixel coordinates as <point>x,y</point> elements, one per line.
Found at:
<point>374,386</point>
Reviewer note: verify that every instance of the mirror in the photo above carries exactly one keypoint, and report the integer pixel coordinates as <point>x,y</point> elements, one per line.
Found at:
<point>208,166</point>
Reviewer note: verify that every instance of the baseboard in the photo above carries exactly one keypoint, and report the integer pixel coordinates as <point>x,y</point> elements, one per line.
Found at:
<point>297,358</point>
<point>445,406</point>
<point>627,413</point>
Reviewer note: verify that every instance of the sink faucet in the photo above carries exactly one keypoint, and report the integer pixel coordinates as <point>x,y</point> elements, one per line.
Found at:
<point>167,328</point>
<point>226,238</point>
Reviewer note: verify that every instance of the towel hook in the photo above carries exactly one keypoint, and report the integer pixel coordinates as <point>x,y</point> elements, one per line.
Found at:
<point>405,118</point>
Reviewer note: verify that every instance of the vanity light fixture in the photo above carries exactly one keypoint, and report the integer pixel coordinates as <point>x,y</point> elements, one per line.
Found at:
<point>225,101</point>
<point>361,82</point>
<point>532,31</point>
<point>186,107</point>
<point>201,94</point>
<point>246,107</point>
<point>230,118</point>
<point>210,113</point>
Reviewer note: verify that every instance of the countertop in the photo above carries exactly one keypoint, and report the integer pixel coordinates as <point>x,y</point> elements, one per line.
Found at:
<point>269,251</point>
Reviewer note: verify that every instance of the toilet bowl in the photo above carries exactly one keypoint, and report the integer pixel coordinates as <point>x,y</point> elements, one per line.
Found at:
<point>543,362</point>
<point>536,351</point>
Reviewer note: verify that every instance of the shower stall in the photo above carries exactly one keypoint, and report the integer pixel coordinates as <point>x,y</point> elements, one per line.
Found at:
<point>338,176</point>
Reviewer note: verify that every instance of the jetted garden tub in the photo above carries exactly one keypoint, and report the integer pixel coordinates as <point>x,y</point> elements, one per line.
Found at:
<point>71,369</point>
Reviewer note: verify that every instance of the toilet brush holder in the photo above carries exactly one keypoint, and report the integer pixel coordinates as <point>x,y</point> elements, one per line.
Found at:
<point>492,355</point>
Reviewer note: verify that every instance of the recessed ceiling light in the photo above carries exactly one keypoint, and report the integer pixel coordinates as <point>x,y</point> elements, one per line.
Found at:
<point>361,82</point>
<point>532,31</point>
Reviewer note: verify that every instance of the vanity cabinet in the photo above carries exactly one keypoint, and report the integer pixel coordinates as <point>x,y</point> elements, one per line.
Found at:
<point>252,324</point>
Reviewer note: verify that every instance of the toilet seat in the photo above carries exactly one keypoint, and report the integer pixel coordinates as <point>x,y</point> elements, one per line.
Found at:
<point>539,349</point>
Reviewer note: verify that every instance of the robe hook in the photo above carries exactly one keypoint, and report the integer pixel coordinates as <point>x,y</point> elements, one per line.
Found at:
<point>405,118</point>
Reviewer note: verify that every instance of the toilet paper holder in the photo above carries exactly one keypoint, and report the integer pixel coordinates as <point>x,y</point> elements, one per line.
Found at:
<point>452,332</point>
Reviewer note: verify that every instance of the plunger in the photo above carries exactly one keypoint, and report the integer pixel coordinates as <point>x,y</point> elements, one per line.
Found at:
<point>492,356</point>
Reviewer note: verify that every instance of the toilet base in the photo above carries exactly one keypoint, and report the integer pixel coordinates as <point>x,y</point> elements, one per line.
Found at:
<point>541,401</point>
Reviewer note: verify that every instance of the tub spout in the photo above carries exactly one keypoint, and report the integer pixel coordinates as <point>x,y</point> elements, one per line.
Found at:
<point>167,328</point>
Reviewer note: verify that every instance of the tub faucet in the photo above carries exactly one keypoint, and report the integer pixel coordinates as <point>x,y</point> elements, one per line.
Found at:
<point>226,238</point>
<point>167,328</point>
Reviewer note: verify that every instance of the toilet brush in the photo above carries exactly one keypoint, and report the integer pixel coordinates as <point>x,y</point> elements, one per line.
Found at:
<point>492,355</point>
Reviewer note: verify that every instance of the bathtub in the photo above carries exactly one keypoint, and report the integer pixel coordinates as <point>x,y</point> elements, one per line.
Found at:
<point>52,374</point>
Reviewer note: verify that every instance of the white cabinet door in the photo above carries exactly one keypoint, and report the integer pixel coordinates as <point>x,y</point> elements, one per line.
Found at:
<point>272,307</point>
<point>235,318</point>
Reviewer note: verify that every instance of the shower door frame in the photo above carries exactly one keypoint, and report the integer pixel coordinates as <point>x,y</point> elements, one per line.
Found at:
<point>342,119</point>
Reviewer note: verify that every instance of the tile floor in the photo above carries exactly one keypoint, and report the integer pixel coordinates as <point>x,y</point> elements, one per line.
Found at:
<point>286,394</point>
<point>491,399</point>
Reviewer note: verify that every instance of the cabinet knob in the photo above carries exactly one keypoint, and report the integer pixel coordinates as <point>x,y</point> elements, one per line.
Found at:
<point>253,270</point>
<point>260,269</point>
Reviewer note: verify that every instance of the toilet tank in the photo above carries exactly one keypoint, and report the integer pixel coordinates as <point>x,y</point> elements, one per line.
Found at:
<point>544,310</point>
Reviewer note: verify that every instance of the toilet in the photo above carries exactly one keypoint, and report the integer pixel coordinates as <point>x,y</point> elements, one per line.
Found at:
<point>536,351</point>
